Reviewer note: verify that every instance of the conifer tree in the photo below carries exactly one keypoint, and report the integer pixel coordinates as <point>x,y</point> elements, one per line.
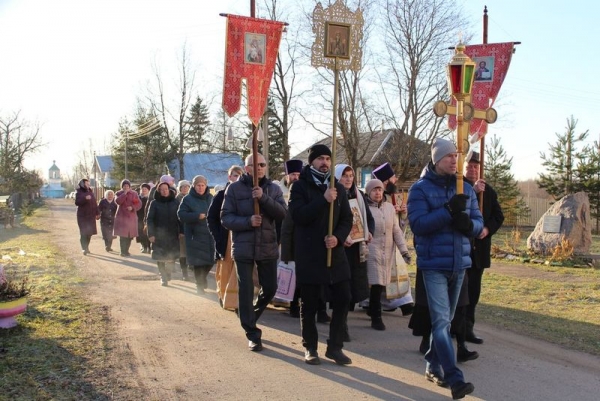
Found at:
<point>498,175</point>
<point>197,124</point>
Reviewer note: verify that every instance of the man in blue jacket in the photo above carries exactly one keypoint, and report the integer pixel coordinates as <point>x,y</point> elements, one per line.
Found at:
<point>254,241</point>
<point>442,222</point>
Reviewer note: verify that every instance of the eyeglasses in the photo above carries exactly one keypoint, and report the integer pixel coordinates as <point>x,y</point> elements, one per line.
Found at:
<point>263,165</point>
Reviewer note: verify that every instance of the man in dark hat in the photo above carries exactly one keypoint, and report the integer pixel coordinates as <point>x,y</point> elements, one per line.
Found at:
<point>310,203</point>
<point>292,173</point>
<point>482,244</point>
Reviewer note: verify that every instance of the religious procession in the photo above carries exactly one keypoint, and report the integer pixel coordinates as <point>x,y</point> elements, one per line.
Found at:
<point>326,240</point>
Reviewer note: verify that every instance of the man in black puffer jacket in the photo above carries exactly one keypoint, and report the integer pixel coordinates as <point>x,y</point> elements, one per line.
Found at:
<point>310,203</point>
<point>254,241</point>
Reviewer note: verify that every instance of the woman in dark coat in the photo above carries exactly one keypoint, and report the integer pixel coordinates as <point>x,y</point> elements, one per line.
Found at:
<point>87,214</point>
<point>142,237</point>
<point>107,209</point>
<point>126,221</point>
<point>199,243</point>
<point>163,231</point>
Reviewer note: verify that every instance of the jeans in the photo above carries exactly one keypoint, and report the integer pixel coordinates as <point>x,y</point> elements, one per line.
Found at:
<point>311,301</point>
<point>267,278</point>
<point>443,289</point>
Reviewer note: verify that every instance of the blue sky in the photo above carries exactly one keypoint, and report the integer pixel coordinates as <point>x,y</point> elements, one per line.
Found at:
<point>77,66</point>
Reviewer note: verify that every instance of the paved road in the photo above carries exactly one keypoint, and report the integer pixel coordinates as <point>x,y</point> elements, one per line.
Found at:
<point>183,346</point>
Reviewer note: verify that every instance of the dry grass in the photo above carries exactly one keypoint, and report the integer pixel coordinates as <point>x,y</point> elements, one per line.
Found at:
<point>62,347</point>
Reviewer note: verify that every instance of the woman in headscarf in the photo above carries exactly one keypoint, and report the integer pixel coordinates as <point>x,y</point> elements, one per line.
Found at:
<point>163,230</point>
<point>126,222</point>
<point>199,244</point>
<point>107,209</point>
<point>87,214</point>
<point>356,249</point>
<point>387,236</point>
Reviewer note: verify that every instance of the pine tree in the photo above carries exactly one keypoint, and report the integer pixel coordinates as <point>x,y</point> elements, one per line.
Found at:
<point>498,175</point>
<point>147,150</point>
<point>588,173</point>
<point>561,177</point>
<point>197,125</point>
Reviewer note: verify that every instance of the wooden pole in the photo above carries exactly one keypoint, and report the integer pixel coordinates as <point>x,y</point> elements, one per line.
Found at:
<point>336,84</point>
<point>482,141</point>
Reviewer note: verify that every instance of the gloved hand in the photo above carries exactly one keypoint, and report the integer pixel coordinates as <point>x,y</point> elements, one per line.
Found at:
<point>406,257</point>
<point>462,222</point>
<point>457,204</point>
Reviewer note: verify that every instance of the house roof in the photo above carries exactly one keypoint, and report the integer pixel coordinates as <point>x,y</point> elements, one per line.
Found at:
<point>378,148</point>
<point>213,166</point>
<point>105,163</point>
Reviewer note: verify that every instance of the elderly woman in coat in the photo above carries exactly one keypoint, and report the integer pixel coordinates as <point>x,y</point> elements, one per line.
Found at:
<point>126,220</point>
<point>107,209</point>
<point>87,214</point>
<point>163,230</point>
<point>183,188</point>
<point>199,244</point>
<point>382,253</point>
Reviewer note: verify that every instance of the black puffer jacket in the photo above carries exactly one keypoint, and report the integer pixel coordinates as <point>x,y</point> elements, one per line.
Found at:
<point>252,243</point>
<point>310,213</point>
<point>164,226</point>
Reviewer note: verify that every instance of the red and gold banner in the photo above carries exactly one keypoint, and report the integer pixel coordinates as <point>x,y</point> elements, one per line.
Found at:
<point>250,53</point>
<point>491,64</point>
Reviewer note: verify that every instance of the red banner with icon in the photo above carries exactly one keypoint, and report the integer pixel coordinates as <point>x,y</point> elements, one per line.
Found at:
<point>491,65</point>
<point>250,53</point>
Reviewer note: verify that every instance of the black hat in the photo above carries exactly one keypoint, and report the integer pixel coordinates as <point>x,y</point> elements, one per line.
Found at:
<point>293,166</point>
<point>474,158</point>
<point>318,150</point>
<point>146,185</point>
<point>125,182</point>
<point>383,172</point>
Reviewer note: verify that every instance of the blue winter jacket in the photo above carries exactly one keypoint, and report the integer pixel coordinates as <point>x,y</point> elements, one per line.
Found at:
<point>437,244</point>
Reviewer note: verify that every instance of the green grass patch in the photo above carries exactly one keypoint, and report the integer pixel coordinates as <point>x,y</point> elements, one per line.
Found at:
<point>63,345</point>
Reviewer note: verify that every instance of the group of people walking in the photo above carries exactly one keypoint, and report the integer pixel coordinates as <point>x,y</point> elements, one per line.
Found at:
<point>343,243</point>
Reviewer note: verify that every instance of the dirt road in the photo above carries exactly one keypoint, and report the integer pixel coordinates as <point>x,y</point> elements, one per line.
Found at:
<point>183,346</point>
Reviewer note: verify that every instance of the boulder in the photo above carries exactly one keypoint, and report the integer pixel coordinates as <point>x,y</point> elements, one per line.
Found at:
<point>575,226</point>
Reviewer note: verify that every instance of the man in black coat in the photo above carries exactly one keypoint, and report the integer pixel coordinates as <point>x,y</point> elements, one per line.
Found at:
<point>482,245</point>
<point>310,202</point>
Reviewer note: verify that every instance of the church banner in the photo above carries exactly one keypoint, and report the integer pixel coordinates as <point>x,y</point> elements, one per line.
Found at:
<point>250,53</point>
<point>491,65</point>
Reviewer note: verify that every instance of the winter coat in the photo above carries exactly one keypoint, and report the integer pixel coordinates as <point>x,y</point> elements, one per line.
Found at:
<point>387,236</point>
<point>253,243</point>
<point>87,211</point>
<point>219,233</point>
<point>126,224</point>
<point>492,219</point>
<point>358,270</point>
<point>141,218</point>
<point>107,212</point>
<point>200,247</point>
<point>437,244</point>
<point>310,213</point>
<point>164,226</point>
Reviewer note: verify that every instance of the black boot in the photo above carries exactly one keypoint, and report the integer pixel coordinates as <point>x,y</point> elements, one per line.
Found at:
<point>184,269</point>
<point>424,346</point>
<point>199,284</point>
<point>463,354</point>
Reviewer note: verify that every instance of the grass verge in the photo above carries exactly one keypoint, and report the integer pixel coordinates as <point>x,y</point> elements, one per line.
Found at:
<point>62,348</point>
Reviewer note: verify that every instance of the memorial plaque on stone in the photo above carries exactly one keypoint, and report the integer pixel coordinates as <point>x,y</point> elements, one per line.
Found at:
<point>551,224</point>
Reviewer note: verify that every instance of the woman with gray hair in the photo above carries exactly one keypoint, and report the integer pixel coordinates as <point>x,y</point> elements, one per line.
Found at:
<point>199,244</point>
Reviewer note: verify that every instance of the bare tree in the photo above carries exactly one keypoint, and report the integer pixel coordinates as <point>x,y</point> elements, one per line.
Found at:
<point>417,35</point>
<point>19,139</point>
<point>172,114</point>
